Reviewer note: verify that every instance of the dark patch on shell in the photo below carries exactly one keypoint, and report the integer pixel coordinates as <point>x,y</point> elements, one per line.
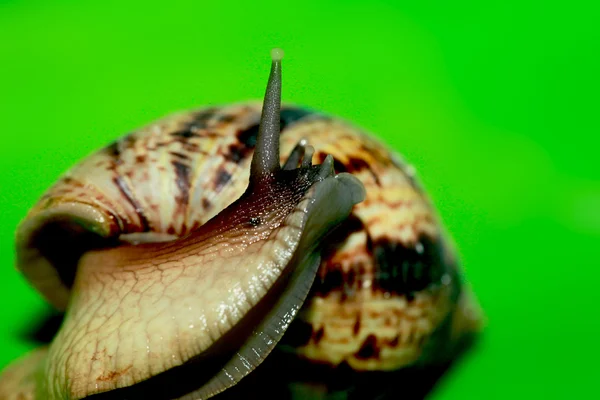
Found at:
<point>185,134</point>
<point>236,153</point>
<point>291,115</point>
<point>221,179</point>
<point>226,118</point>
<point>246,140</point>
<point>247,137</point>
<point>318,335</point>
<point>352,165</point>
<point>398,269</point>
<point>407,270</point>
<point>369,349</point>
<point>333,280</point>
<point>356,327</point>
<point>179,155</point>
<point>201,118</point>
<point>192,129</point>
<point>357,164</point>
<point>113,150</point>
<point>334,277</point>
<point>182,173</point>
<point>351,225</point>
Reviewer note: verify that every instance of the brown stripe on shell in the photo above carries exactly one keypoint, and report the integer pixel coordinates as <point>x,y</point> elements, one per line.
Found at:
<point>182,173</point>
<point>179,155</point>
<point>128,194</point>
<point>114,150</point>
<point>356,327</point>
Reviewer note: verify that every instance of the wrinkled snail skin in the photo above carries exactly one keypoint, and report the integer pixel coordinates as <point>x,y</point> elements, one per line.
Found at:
<point>183,252</point>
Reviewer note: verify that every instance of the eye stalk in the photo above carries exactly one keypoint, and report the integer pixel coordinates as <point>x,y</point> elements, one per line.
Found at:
<point>265,161</point>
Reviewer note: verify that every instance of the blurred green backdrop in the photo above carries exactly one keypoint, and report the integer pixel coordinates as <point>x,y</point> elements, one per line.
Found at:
<point>495,104</point>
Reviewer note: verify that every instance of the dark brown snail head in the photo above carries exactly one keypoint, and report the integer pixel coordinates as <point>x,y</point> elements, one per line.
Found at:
<point>194,315</point>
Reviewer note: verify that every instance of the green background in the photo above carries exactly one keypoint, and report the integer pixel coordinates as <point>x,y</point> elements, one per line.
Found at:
<point>495,104</point>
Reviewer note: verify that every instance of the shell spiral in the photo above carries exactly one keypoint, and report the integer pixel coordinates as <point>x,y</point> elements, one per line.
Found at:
<point>388,282</point>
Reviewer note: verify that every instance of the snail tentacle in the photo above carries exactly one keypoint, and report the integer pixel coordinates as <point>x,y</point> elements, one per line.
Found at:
<point>266,154</point>
<point>295,156</point>
<point>309,151</point>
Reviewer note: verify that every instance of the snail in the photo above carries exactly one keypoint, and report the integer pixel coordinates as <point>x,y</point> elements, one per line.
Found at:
<point>190,253</point>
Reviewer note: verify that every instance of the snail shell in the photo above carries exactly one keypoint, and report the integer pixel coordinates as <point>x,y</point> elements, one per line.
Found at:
<point>387,293</point>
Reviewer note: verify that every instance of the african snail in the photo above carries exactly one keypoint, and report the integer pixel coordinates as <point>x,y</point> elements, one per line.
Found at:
<point>182,252</point>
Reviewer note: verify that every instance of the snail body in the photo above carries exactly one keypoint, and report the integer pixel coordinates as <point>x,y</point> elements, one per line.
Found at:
<point>184,250</point>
